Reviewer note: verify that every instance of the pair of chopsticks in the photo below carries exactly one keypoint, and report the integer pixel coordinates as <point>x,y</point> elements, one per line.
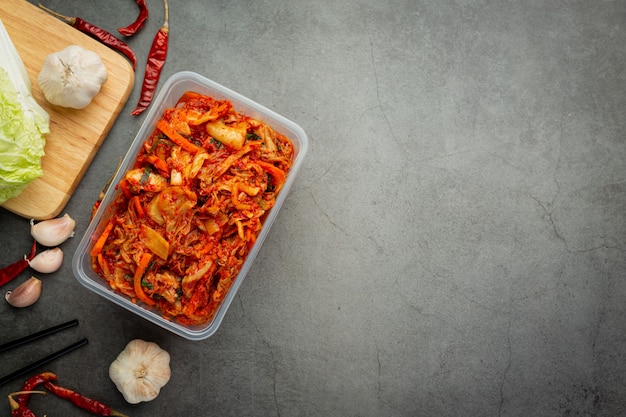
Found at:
<point>36,336</point>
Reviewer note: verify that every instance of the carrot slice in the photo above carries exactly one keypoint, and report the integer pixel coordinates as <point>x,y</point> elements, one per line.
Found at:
<point>136,203</point>
<point>159,164</point>
<point>232,158</point>
<point>176,137</point>
<point>103,265</point>
<point>99,245</point>
<point>144,261</point>
<point>125,188</point>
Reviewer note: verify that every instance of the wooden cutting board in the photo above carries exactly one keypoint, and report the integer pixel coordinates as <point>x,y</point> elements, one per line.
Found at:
<point>75,135</point>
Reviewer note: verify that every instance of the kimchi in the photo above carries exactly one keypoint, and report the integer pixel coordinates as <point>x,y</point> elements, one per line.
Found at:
<point>191,207</point>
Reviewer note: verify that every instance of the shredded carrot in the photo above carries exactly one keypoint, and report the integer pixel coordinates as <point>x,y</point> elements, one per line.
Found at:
<point>125,187</point>
<point>99,245</point>
<point>231,159</point>
<point>188,96</point>
<point>144,261</point>
<point>274,171</point>
<point>159,164</point>
<point>137,205</point>
<point>176,137</point>
<point>103,265</point>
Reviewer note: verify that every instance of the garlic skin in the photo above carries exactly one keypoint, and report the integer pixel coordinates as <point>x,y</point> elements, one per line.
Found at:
<point>72,77</point>
<point>47,261</point>
<point>140,371</point>
<point>25,294</point>
<point>53,232</point>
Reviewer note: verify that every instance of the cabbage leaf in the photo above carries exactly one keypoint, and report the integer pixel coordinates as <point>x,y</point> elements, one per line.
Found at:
<point>23,124</point>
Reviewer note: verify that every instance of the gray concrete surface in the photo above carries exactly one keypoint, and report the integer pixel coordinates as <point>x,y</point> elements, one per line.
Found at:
<point>453,246</point>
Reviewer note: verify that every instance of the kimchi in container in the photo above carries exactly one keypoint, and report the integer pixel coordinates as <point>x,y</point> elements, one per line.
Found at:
<point>174,254</point>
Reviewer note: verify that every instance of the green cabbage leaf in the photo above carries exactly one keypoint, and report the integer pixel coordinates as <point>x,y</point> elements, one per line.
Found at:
<point>23,124</point>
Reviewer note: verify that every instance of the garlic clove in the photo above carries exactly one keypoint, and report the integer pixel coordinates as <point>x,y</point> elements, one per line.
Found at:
<point>53,232</point>
<point>47,261</point>
<point>25,294</point>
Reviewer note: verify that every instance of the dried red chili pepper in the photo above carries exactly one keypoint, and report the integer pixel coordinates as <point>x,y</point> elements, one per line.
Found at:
<point>32,383</point>
<point>21,410</point>
<point>156,60</point>
<point>11,271</point>
<point>81,401</point>
<point>134,27</point>
<point>97,33</point>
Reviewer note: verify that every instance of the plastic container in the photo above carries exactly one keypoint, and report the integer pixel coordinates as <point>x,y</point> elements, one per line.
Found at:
<point>171,91</point>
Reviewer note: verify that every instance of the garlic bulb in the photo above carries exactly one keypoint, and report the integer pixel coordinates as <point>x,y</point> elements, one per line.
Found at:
<point>53,232</point>
<point>72,77</point>
<point>140,371</point>
<point>26,294</point>
<point>47,261</point>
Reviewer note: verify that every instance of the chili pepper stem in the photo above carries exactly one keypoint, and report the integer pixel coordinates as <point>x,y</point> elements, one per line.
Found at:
<point>14,404</point>
<point>70,20</point>
<point>165,28</point>
<point>31,383</point>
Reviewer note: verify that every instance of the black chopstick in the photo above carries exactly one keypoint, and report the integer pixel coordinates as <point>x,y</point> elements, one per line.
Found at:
<point>43,361</point>
<point>30,338</point>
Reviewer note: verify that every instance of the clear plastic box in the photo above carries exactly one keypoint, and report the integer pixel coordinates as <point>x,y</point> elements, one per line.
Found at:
<point>171,91</point>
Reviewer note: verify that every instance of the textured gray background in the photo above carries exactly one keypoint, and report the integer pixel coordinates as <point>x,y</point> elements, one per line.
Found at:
<point>453,246</point>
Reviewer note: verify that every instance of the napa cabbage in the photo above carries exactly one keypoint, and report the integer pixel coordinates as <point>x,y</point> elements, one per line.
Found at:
<point>23,123</point>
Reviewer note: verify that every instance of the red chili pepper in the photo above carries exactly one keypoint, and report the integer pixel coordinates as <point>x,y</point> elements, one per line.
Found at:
<point>134,27</point>
<point>156,60</point>
<point>11,271</point>
<point>97,33</point>
<point>32,383</point>
<point>81,401</point>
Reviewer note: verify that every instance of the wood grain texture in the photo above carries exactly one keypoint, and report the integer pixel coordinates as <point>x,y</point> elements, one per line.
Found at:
<point>75,135</point>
